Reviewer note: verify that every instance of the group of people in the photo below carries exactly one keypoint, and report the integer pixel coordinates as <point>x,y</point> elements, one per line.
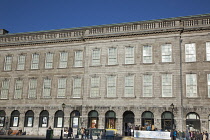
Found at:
<point>192,135</point>
<point>86,133</point>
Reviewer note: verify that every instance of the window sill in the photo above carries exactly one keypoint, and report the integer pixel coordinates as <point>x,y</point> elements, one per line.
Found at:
<point>133,97</point>
<point>128,64</point>
<point>147,63</point>
<point>95,65</point>
<point>112,65</point>
<point>167,63</point>
<point>111,97</point>
<point>61,98</point>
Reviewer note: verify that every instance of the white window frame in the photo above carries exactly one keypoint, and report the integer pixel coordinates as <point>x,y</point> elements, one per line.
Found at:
<point>191,85</point>
<point>47,85</point>
<point>96,57</point>
<point>147,54</point>
<point>78,58</point>
<point>77,87</point>
<point>95,87</point>
<point>208,83</point>
<point>190,52</point>
<point>167,85</point>
<point>49,60</point>
<point>21,62</point>
<point>18,89</point>
<point>147,85</point>
<point>35,61</point>
<point>61,87</point>
<point>8,63</point>
<point>129,86</point>
<point>166,52</point>
<point>32,88</point>
<point>129,55</point>
<point>112,56</point>
<point>63,60</point>
<point>5,89</point>
<point>111,85</point>
<point>207,51</point>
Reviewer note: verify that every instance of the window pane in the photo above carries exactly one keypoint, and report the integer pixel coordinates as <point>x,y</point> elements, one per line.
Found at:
<point>166,85</point>
<point>21,62</point>
<point>35,61</point>
<point>32,88</point>
<point>63,60</point>
<point>49,60</point>
<point>147,54</point>
<point>111,86</point>
<point>112,56</point>
<point>78,59</point>
<point>5,89</point>
<point>147,83</point>
<point>207,51</point>
<point>191,85</point>
<point>8,63</point>
<point>129,86</point>
<point>129,55</point>
<point>77,88</point>
<point>61,87</point>
<point>96,57</point>
<point>166,53</point>
<point>94,91</point>
<point>18,89</point>
<point>46,88</point>
<point>190,52</point>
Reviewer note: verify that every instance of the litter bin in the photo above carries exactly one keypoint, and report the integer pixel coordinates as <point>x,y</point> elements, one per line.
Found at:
<point>49,134</point>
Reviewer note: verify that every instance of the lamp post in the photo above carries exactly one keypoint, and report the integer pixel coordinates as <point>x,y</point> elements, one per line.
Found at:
<point>172,121</point>
<point>63,106</point>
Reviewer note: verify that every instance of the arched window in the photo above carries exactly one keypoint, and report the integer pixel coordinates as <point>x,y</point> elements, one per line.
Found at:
<point>167,120</point>
<point>110,120</point>
<point>58,119</point>
<point>93,119</point>
<point>2,118</point>
<point>147,118</point>
<point>74,119</point>
<point>128,121</point>
<point>43,118</point>
<point>14,120</point>
<point>29,119</point>
<point>193,121</point>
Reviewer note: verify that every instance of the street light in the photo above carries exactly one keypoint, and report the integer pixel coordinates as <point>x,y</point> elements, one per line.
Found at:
<point>172,121</point>
<point>63,106</point>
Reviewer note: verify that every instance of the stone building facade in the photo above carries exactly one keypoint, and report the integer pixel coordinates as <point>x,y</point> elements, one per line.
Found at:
<point>108,76</point>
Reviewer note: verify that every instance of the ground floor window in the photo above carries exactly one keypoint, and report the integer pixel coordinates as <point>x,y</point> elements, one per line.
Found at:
<point>167,120</point>
<point>14,120</point>
<point>74,121</point>
<point>147,120</point>
<point>29,119</point>
<point>193,121</point>
<point>128,122</point>
<point>58,119</point>
<point>110,119</point>
<point>93,119</point>
<point>2,118</point>
<point>43,118</point>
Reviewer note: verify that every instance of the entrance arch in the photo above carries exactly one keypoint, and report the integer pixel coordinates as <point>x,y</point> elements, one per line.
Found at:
<point>193,121</point>
<point>128,121</point>
<point>74,119</point>
<point>93,119</point>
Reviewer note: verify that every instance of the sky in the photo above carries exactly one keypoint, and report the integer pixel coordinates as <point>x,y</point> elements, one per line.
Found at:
<point>18,16</point>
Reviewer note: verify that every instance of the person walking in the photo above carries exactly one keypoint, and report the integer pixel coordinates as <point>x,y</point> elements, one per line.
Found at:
<point>82,131</point>
<point>204,136</point>
<point>207,135</point>
<point>70,133</point>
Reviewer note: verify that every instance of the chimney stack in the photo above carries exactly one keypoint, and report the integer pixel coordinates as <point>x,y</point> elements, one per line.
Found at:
<point>3,31</point>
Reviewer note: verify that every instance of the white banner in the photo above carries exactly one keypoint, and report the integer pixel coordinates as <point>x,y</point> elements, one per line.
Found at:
<point>152,134</point>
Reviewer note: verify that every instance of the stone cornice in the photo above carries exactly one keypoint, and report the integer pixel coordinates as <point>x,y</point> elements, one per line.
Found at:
<point>184,24</point>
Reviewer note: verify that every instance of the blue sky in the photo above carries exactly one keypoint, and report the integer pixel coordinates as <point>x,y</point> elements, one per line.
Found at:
<point>36,15</point>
